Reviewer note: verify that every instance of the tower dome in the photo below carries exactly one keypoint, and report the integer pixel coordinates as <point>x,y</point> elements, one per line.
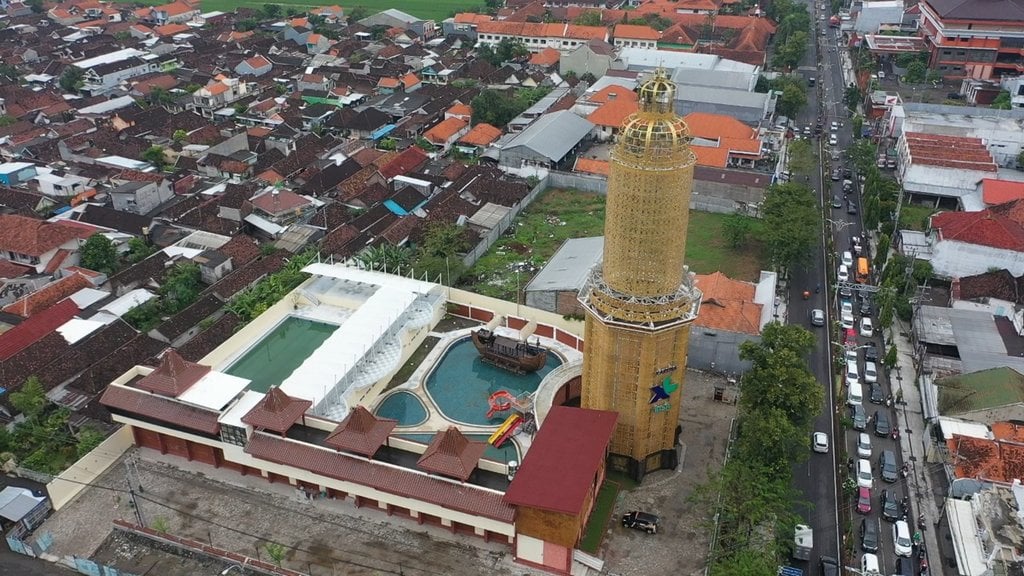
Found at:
<point>655,136</point>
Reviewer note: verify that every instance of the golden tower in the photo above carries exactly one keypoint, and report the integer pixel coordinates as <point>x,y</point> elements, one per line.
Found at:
<point>640,300</point>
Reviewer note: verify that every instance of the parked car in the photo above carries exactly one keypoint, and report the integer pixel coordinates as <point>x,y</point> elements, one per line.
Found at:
<point>817,317</point>
<point>829,566</point>
<point>867,329</point>
<point>860,417</point>
<point>847,173</point>
<point>877,395</point>
<point>845,292</point>
<point>864,500</point>
<point>901,542</point>
<point>882,427</point>
<point>846,259</point>
<point>832,140</point>
<point>834,126</point>
<point>844,274</point>
<point>851,209</point>
<point>863,445</point>
<point>865,477</point>
<point>836,202</point>
<point>836,174</point>
<point>871,352</point>
<point>869,535</point>
<point>891,509</point>
<point>846,320</point>
<point>865,305</point>
<point>845,307</point>
<point>641,521</point>
<point>887,464</point>
<point>819,442</point>
<point>870,372</point>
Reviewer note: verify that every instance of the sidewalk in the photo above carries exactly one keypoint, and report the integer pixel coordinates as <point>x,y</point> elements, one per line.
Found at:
<point>926,496</point>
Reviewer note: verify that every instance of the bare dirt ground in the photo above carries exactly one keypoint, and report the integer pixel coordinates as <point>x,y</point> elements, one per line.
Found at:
<point>681,545</point>
<point>137,555</point>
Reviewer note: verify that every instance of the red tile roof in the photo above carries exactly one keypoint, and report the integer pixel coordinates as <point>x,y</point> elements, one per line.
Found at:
<point>636,32</point>
<point>612,92</point>
<point>277,411</point>
<point>48,295</point>
<point>137,402</point>
<point>546,57</point>
<point>540,30</point>
<point>11,270</point>
<point>613,113</point>
<point>559,470</point>
<point>728,304</point>
<point>471,18</point>
<point>481,135</point>
<point>452,454</point>
<point>33,237</point>
<point>406,483</point>
<point>995,191</point>
<point>949,152</point>
<point>591,166</point>
<point>443,132</point>
<point>998,460</point>
<point>361,432</point>
<point>408,161</point>
<point>173,376</point>
<point>23,335</point>
<point>279,201</point>
<point>984,228</point>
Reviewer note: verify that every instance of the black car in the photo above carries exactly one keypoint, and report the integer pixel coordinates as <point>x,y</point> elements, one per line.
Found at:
<point>891,509</point>
<point>845,293</point>
<point>877,395</point>
<point>829,566</point>
<point>882,426</point>
<point>869,535</point>
<point>851,209</point>
<point>871,352</point>
<point>860,419</point>
<point>847,173</point>
<point>836,203</point>
<point>887,464</point>
<point>865,305</point>
<point>641,521</point>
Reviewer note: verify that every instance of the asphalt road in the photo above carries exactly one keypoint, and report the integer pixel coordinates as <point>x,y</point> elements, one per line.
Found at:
<point>816,478</point>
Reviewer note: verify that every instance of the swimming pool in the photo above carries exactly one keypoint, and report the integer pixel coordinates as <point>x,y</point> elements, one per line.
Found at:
<point>271,360</point>
<point>461,383</point>
<point>404,407</point>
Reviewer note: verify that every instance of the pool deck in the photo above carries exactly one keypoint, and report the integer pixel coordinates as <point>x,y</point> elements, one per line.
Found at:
<point>437,421</point>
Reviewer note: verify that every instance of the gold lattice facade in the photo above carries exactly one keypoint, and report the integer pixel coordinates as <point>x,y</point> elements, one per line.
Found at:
<point>641,300</point>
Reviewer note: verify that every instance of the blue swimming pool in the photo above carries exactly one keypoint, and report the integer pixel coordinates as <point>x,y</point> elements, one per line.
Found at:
<point>504,454</point>
<point>404,407</point>
<point>461,383</point>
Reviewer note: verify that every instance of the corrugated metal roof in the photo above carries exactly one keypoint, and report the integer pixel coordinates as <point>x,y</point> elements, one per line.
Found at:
<point>568,268</point>
<point>552,135</point>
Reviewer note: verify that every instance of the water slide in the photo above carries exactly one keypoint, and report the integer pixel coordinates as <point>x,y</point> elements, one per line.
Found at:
<point>505,431</point>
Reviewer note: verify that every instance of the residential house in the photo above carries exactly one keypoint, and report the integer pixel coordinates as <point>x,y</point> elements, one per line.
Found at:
<point>538,36</point>
<point>446,133</point>
<point>317,43</point>
<point>255,66</point>
<point>139,197</point>
<point>608,117</point>
<point>64,186</point>
<point>391,18</point>
<point>282,207</point>
<point>549,142</point>
<point>220,93</point>
<point>331,14</point>
<point>478,139</point>
<point>635,36</point>
<point>595,57</point>
<point>943,170</point>
<point>463,24</point>
<point>717,138</point>
<point>966,243</point>
<point>175,12</point>
<point>17,173</point>
<point>103,77</point>
<point>44,246</point>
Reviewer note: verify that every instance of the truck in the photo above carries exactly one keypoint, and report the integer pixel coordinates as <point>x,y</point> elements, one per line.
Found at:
<point>803,542</point>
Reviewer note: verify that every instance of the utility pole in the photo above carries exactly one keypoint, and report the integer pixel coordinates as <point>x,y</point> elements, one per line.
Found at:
<point>128,465</point>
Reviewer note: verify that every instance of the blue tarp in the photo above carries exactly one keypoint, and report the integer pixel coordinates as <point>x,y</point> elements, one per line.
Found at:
<point>382,132</point>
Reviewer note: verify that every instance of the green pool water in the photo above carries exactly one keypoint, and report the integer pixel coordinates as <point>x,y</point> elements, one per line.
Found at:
<point>507,452</point>
<point>280,352</point>
<point>404,407</point>
<point>461,383</point>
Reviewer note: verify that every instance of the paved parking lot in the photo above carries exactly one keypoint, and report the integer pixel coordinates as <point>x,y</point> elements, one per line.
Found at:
<point>681,545</point>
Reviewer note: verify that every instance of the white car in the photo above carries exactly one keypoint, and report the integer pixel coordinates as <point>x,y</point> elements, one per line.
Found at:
<point>863,445</point>
<point>870,372</point>
<point>901,542</point>
<point>847,259</point>
<point>851,355</point>
<point>834,126</point>
<point>865,478</point>
<point>844,273</point>
<point>846,321</point>
<point>819,442</point>
<point>846,307</point>
<point>832,140</point>
<point>866,329</point>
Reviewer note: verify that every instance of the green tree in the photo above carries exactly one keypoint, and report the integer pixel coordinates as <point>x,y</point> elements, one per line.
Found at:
<point>793,95</point>
<point>72,79</point>
<point>180,288</point>
<point>425,144</point>
<point>35,5</point>
<point>863,153</point>
<point>801,157</point>
<point>737,228</point>
<point>155,156</point>
<point>276,552</point>
<point>588,18</point>
<point>179,136</point>
<point>745,563</point>
<point>588,77</point>
<point>857,125</point>
<point>790,224</point>
<point>9,72</point>
<point>916,72</point>
<point>438,256</point>
<point>509,49</point>
<point>99,254</point>
<point>7,120</point>
<point>144,317</point>
<point>1002,101</point>
<point>30,399</point>
<point>852,96</point>
<point>882,250</point>
<point>387,144</point>
<point>791,52</point>
<point>271,11</point>
<point>138,250</point>
<point>763,85</point>
<point>778,377</point>
<point>386,257</point>
<point>88,439</point>
<point>357,13</point>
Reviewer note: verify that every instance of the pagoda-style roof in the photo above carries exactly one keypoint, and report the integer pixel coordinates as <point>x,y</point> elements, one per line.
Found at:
<point>277,411</point>
<point>174,376</point>
<point>452,454</point>
<point>361,432</point>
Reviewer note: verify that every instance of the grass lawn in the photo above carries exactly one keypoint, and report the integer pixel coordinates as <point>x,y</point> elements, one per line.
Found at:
<point>562,214</point>
<point>594,532</point>
<point>913,217</point>
<point>436,10</point>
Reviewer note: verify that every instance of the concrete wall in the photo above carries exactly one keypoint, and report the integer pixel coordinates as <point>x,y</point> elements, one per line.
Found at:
<point>717,350</point>
<point>492,236</point>
<point>88,468</point>
<point>708,196</point>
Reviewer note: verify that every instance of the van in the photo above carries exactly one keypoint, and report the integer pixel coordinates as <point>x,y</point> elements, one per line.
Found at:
<point>852,376</point>
<point>865,478</point>
<point>869,565</point>
<point>855,395</point>
<point>862,270</point>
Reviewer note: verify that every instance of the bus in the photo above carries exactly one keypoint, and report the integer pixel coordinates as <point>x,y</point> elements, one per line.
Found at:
<point>862,270</point>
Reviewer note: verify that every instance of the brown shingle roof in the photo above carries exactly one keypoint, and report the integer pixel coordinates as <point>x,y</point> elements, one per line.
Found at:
<point>361,432</point>
<point>277,411</point>
<point>136,402</point>
<point>208,339</point>
<point>185,320</point>
<point>452,454</point>
<point>173,376</point>
<point>48,295</point>
<point>35,328</point>
<point>460,497</point>
<point>34,237</point>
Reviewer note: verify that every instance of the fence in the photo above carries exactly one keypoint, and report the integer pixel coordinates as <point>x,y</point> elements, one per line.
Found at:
<point>492,236</point>
<point>88,468</point>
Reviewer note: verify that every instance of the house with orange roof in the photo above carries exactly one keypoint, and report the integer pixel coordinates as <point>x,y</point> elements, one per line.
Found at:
<point>459,110</point>
<point>608,117</point>
<point>41,245</point>
<point>738,143</point>
<point>411,82</point>
<point>537,36</point>
<point>545,58</point>
<point>220,93</point>
<point>258,65</point>
<point>447,132</point>
<point>635,36</point>
<point>592,166</point>
<point>175,12</point>
<point>478,139</point>
<point>317,43</point>
<point>48,295</point>
<point>331,14</point>
<point>464,24</point>
<point>386,85</point>
<point>170,30</point>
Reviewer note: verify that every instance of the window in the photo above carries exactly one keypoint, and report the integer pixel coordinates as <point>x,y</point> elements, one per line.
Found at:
<point>232,434</point>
